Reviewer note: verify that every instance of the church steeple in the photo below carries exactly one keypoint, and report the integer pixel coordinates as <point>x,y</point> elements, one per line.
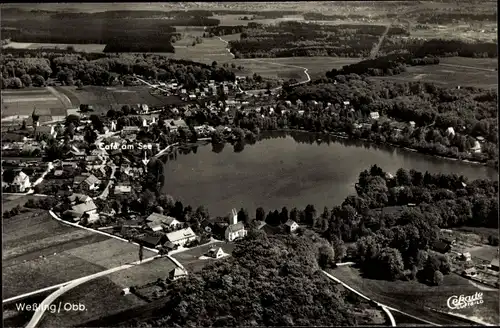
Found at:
<point>35,117</point>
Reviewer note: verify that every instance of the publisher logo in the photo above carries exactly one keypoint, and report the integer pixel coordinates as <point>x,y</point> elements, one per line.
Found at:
<point>462,301</point>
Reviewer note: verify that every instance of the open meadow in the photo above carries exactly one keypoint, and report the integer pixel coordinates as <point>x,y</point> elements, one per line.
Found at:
<point>45,252</point>
<point>190,259</point>
<point>418,299</point>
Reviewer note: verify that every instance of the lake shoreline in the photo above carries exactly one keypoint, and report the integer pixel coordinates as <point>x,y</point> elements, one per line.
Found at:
<point>341,136</point>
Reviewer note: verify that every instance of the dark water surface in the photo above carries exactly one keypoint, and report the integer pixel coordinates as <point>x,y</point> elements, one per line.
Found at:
<point>291,170</point>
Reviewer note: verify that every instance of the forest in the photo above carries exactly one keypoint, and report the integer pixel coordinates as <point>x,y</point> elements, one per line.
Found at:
<point>455,17</point>
<point>91,69</point>
<point>439,48</point>
<point>127,31</point>
<point>290,39</point>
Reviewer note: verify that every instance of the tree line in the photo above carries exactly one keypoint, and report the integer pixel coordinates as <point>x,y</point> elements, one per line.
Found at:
<point>19,72</point>
<point>384,65</point>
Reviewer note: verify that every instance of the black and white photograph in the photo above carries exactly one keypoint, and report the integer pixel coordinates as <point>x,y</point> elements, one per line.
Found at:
<point>250,164</point>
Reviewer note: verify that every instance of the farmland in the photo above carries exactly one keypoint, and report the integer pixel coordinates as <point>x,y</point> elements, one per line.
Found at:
<point>103,98</point>
<point>417,299</point>
<point>101,297</point>
<point>451,76</point>
<point>22,102</point>
<point>45,252</point>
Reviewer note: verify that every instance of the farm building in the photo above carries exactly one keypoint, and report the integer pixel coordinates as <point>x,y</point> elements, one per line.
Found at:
<point>215,252</point>
<point>494,265</point>
<point>441,247</point>
<point>21,182</point>
<point>450,131</point>
<point>150,240</point>
<point>181,237</point>
<point>291,225</point>
<point>374,115</point>
<point>90,183</point>
<point>122,189</point>
<point>177,273</point>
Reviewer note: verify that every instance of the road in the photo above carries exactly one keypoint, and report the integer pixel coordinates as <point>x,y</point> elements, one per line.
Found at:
<point>375,49</point>
<point>62,97</point>
<point>105,192</point>
<point>74,283</point>
<point>165,149</point>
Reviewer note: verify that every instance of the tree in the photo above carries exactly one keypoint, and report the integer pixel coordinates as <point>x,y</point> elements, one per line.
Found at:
<point>90,136</point>
<point>260,214</point>
<point>403,177</point>
<point>326,257</point>
<point>243,216</point>
<point>390,263</point>
<point>26,80</point>
<point>202,213</point>
<point>438,278</point>
<point>38,81</point>
<point>214,63</point>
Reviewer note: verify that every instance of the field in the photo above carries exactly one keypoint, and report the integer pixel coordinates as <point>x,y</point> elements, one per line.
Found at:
<point>45,252</point>
<point>103,98</point>
<point>101,297</point>
<point>22,102</point>
<point>288,68</point>
<point>450,75</point>
<point>417,299</point>
<point>46,46</point>
<point>11,201</point>
<point>190,259</point>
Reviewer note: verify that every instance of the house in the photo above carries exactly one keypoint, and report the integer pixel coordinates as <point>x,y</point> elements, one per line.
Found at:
<point>163,219</point>
<point>90,183</point>
<point>291,225</point>
<point>441,247</point>
<point>477,147</point>
<point>374,115</point>
<point>58,173</point>
<point>128,130</point>
<point>177,273</point>
<point>480,139</point>
<point>181,237</point>
<point>78,211</point>
<point>143,109</point>
<point>494,265</point>
<point>412,124</point>
<point>122,189</point>
<point>92,160</point>
<point>47,130</point>
<point>470,272</point>
<point>235,229</point>
<point>346,102</point>
<point>21,182</point>
<point>450,131</point>
<point>215,252</point>
<point>465,256</point>
<point>78,199</point>
<point>150,240</point>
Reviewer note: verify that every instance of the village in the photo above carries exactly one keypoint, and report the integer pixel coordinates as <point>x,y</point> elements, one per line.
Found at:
<point>94,163</point>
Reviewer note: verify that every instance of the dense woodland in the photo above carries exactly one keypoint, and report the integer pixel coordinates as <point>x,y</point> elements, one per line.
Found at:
<point>69,69</point>
<point>122,31</point>
<point>456,17</point>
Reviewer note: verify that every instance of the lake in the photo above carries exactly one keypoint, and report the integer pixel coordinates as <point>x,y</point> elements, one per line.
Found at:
<point>291,170</point>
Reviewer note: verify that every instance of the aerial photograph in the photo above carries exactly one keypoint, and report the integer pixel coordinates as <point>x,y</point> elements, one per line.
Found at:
<point>250,164</point>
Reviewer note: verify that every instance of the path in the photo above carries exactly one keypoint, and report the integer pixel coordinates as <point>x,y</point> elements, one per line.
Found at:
<point>384,307</point>
<point>62,97</point>
<point>40,310</point>
<point>471,67</point>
